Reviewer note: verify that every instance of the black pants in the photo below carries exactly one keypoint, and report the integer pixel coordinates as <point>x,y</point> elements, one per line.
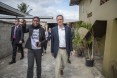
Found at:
<point>15,46</point>
<point>34,54</point>
<point>44,46</point>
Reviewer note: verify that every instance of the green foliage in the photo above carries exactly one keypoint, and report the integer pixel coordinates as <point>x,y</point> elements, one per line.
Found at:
<point>83,24</point>
<point>77,40</point>
<point>23,7</point>
<point>89,41</point>
<point>86,42</point>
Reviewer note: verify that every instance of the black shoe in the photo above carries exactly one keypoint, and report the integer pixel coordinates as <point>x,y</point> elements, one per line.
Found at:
<point>61,72</point>
<point>69,61</point>
<point>21,58</point>
<point>12,62</point>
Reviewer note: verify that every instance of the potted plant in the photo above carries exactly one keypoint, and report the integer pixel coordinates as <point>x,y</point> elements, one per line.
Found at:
<point>89,57</point>
<point>87,43</point>
<point>76,38</point>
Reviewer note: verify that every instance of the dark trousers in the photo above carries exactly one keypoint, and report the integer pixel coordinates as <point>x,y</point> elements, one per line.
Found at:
<point>44,45</point>
<point>15,46</point>
<point>34,54</point>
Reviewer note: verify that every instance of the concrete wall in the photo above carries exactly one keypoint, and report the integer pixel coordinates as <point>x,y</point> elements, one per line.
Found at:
<point>5,43</point>
<point>105,11</point>
<point>99,45</point>
<point>110,55</point>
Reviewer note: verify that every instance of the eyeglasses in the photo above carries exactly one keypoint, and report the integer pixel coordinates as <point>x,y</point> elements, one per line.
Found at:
<point>36,20</point>
<point>59,19</point>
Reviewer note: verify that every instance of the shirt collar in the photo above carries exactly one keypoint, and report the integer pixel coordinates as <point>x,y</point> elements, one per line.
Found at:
<point>17,26</point>
<point>63,28</point>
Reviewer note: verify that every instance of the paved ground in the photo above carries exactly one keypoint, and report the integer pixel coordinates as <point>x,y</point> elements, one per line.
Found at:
<point>76,69</point>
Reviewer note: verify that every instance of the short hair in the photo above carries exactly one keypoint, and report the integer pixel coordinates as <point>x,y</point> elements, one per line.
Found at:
<point>17,19</point>
<point>59,15</point>
<point>24,20</point>
<point>36,17</point>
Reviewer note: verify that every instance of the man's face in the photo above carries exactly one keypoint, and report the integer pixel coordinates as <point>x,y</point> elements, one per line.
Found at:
<point>44,27</point>
<point>36,21</point>
<point>16,22</point>
<point>60,20</point>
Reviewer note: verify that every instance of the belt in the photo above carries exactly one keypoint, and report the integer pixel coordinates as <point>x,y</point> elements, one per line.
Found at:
<point>62,47</point>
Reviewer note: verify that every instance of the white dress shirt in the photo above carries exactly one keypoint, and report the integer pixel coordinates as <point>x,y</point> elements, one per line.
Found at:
<point>62,40</point>
<point>14,35</point>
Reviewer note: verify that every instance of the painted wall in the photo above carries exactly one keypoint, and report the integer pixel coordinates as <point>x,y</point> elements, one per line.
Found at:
<point>5,43</point>
<point>110,54</point>
<point>105,11</point>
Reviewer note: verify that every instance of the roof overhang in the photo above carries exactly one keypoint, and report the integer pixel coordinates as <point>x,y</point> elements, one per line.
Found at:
<point>8,10</point>
<point>1,21</point>
<point>115,18</point>
<point>74,2</point>
<point>26,17</point>
<point>98,28</point>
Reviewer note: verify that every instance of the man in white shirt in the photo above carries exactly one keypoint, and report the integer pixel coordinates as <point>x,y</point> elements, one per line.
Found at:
<point>61,45</point>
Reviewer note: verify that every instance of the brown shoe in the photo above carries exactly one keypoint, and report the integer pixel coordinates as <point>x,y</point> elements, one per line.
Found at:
<point>61,72</point>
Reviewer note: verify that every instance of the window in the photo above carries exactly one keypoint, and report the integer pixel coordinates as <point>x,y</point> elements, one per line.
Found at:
<point>89,14</point>
<point>103,1</point>
<point>90,1</point>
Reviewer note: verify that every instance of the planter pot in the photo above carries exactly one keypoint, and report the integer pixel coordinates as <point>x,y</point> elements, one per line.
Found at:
<point>89,63</point>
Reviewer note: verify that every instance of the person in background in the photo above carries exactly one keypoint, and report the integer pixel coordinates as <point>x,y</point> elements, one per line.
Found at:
<point>49,36</point>
<point>23,24</point>
<point>17,40</point>
<point>71,25</point>
<point>45,43</point>
<point>72,29</point>
<point>61,45</point>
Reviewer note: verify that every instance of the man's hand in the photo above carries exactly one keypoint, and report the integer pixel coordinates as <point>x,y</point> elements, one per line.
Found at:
<point>71,53</point>
<point>20,42</point>
<point>38,44</point>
